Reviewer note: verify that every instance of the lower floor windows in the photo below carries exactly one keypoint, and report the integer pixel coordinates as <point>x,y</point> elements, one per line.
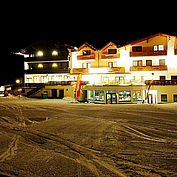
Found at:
<point>124,96</point>
<point>137,95</point>
<point>175,98</point>
<point>99,95</point>
<point>163,97</point>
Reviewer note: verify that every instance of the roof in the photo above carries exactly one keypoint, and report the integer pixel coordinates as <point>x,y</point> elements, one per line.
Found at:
<point>109,44</point>
<point>87,45</point>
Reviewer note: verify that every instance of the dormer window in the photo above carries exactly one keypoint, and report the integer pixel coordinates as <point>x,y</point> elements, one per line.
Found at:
<point>86,52</point>
<point>40,53</point>
<point>54,53</point>
<point>112,51</point>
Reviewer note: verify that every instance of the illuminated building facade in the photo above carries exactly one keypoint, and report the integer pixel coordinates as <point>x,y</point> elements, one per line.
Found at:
<point>112,74</point>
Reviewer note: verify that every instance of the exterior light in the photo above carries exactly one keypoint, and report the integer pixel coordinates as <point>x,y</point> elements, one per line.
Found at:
<point>17,81</point>
<point>54,53</point>
<point>54,65</point>
<point>40,65</point>
<point>40,53</point>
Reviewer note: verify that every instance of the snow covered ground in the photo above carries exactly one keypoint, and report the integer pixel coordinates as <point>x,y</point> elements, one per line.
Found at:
<point>55,138</point>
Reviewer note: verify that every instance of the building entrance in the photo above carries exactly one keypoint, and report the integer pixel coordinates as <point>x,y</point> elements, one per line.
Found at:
<point>111,98</point>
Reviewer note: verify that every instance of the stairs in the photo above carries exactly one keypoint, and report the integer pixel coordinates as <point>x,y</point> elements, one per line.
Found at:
<point>34,91</point>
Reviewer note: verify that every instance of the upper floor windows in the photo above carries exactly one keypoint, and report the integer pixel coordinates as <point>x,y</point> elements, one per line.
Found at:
<point>86,52</point>
<point>137,48</point>
<point>112,51</point>
<point>158,47</point>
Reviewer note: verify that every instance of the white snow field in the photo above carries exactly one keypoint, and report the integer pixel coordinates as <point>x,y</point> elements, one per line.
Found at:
<point>46,138</point>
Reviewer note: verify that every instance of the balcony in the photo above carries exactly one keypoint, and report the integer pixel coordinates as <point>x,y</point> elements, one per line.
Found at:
<point>46,71</point>
<point>162,82</point>
<point>86,57</point>
<point>149,68</point>
<point>110,56</point>
<point>175,51</point>
<point>148,51</point>
<point>80,70</point>
<point>117,69</point>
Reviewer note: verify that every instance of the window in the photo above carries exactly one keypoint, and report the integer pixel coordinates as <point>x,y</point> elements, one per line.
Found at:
<point>174,78</point>
<point>161,62</point>
<point>137,63</point>
<point>162,78</point>
<point>158,47</point>
<point>175,98</point>
<point>112,51</point>
<point>148,62</point>
<point>163,97</point>
<point>90,95</point>
<point>99,95</point>
<point>137,49</point>
<point>137,96</point>
<point>110,64</point>
<point>124,96</point>
<point>86,52</point>
<point>86,65</point>
<point>119,80</point>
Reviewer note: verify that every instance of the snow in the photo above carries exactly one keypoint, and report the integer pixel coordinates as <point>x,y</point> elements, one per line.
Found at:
<point>45,137</point>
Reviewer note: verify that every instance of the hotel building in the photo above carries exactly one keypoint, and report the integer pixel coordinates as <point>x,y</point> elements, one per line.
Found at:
<point>113,74</point>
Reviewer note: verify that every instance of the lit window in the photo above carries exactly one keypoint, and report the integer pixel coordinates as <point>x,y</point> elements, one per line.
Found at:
<point>54,65</point>
<point>54,53</point>
<point>86,52</point>
<point>40,65</point>
<point>40,53</point>
<point>158,47</point>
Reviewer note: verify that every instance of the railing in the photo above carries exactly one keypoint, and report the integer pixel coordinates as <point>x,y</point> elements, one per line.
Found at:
<point>117,69</point>
<point>162,82</point>
<point>110,56</point>
<point>86,57</point>
<point>46,71</point>
<point>149,68</point>
<point>148,51</point>
<point>80,70</point>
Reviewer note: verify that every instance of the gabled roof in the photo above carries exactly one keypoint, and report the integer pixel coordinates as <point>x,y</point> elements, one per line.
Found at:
<point>148,37</point>
<point>86,45</point>
<point>108,45</point>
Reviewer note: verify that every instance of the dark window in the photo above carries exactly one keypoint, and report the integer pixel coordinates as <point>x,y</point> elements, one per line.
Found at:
<point>86,52</point>
<point>164,97</point>
<point>110,64</point>
<point>148,62</point>
<point>174,78</point>
<point>162,78</point>
<point>112,51</point>
<point>175,98</point>
<point>137,49</point>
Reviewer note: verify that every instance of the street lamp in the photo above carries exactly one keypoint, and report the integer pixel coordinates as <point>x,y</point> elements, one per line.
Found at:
<point>17,81</point>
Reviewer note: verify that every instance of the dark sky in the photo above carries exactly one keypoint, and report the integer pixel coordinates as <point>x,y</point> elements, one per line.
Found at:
<point>74,24</point>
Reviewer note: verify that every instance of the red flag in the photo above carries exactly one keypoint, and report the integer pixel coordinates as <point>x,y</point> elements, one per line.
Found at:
<point>78,86</point>
<point>149,89</point>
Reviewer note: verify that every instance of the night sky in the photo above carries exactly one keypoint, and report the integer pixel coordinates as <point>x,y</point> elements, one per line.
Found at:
<point>29,23</point>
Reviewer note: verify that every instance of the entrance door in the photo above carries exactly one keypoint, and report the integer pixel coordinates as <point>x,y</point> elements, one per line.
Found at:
<point>111,98</point>
<point>61,94</point>
<point>54,93</point>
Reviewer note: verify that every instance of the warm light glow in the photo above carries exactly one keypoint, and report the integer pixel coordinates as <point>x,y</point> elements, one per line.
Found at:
<point>54,65</point>
<point>40,65</point>
<point>54,53</point>
<point>40,53</point>
<point>17,81</point>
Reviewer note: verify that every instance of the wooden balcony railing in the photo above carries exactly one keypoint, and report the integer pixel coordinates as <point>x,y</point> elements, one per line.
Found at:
<point>148,51</point>
<point>162,82</point>
<point>149,68</point>
<point>110,56</point>
<point>86,57</point>
<point>80,70</point>
<point>117,69</point>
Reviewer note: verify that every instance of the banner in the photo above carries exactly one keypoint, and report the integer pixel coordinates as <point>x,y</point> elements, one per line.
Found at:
<point>147,97</point>
<point>78,86</point>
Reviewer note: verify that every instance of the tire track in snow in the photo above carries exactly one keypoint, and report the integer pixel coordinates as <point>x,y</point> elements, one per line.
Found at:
<point>11,151</point>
